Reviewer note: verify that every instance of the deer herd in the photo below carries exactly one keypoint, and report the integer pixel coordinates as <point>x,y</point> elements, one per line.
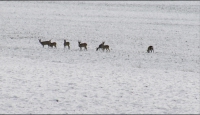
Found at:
<point>84,45</point>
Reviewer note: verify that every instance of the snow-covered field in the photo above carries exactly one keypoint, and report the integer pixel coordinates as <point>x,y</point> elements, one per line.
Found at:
<point>125,80</point>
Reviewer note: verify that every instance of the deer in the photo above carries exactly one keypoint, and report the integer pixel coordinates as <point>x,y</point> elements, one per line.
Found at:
<point>150,49</point>
<point>53,44</point>
<point>82,45</point>
<point>43,43</point>
<point>103,47</point>
<point>66,44</point>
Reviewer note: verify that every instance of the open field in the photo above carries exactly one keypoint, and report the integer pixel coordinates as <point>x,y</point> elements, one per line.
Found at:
<point>126,80</point>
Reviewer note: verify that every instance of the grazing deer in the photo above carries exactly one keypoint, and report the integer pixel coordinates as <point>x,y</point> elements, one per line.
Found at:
<point>45,42</point>
<point>82,45</point>
<point>103,47</point>
<point>52,44</point>
<point>150,49</point>
<point>66,44</point>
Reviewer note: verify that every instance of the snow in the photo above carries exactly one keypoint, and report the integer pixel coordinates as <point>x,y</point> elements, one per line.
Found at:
<point>126,80</point>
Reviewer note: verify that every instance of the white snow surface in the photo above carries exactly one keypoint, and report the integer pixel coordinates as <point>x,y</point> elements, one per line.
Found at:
<point>126,80</point>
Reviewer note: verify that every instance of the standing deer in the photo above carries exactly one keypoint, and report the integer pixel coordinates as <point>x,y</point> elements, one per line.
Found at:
<point>43,43</point>
<point>66,44</point>
<point>53,44</point>
<point>82,45</point>
<point>150,49</point>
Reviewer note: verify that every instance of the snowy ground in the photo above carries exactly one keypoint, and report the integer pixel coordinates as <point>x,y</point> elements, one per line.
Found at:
<point>125,80</point>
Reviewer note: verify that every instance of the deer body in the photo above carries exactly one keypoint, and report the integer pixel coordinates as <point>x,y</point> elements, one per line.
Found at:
<point>66,44</point>
<point>43,43</point>
<point>82,45</point>
<point>53,44</point>
<point>106,47</point>
<point>150,49</point>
